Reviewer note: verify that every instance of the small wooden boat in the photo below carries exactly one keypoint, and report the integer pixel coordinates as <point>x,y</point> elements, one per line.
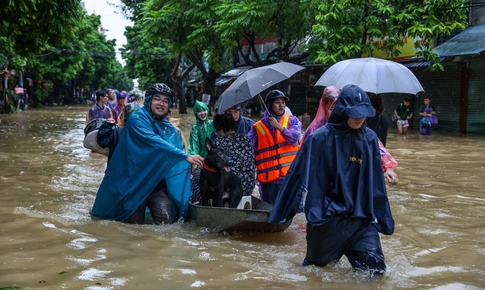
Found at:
<point>236,220</point>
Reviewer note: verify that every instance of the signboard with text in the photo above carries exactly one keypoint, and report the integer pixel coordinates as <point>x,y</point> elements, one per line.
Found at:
<point>19,91</point>
<point>206,99</point>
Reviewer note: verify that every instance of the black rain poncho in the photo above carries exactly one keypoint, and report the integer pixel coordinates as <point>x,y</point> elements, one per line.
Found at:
<point>339,168</point>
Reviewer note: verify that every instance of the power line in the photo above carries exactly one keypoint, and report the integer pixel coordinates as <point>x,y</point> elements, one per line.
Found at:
<point>107,53</point>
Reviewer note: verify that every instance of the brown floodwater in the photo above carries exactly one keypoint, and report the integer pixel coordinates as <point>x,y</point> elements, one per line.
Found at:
<point>48,240</point>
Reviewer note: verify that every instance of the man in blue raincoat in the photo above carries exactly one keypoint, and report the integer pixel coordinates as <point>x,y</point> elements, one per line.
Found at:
<point>148,167</point>
<point>346,205</point>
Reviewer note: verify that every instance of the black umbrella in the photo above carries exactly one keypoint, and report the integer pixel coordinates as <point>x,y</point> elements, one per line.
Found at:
<point>254,81</point>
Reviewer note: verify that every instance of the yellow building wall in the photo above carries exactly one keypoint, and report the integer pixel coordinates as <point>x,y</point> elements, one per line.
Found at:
<point>407,50</point>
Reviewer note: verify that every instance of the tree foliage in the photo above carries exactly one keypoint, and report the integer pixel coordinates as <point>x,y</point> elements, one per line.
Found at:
<point>146,59</point>
<point>27,27</point>
<point>186,27</point>
<point>348,28</point>
<point>132,9</point>
<point>86,60</point>
<point>288,22</point>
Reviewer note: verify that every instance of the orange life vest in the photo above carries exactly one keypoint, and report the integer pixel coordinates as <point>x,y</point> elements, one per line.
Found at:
<point>273,154</point>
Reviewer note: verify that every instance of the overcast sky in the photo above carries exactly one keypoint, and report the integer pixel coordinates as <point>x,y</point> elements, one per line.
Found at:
<point>111,20</point>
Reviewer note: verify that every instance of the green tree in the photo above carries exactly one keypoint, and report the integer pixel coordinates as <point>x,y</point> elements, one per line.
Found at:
<point>288,22</point>
<point>86,60</point>
<point>146,59</point>
<point>132,9</point>
<point>27,27</point>
<point>121,80</point>
<point>187,28</point>
<point>348,28</point>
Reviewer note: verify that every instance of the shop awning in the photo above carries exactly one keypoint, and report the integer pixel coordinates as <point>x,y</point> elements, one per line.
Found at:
<point>469,42</point>
<point>221,81</point>
<point>419,63</point>
<point>230,75</point>
<point>236,71</point>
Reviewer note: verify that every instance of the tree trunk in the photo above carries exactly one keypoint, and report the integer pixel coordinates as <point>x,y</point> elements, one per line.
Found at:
<point>178,92</point>
<point>177,80</point>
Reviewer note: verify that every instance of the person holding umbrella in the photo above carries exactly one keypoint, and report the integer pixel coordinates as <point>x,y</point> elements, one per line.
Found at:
<point>276,141</point>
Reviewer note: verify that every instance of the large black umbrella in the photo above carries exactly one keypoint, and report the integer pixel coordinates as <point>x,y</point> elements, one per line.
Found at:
<point>254,81</point>
<point>373,75</point>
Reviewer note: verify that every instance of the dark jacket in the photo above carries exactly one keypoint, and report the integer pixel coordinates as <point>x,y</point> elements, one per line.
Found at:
<point>379,125</point>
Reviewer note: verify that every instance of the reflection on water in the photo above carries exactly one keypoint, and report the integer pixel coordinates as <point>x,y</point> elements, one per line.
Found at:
<point>48,239</point>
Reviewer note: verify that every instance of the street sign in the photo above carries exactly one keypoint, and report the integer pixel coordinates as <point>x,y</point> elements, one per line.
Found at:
<point>19,91</point>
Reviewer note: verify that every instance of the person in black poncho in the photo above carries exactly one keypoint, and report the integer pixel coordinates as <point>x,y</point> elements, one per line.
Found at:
<point>346,205</point>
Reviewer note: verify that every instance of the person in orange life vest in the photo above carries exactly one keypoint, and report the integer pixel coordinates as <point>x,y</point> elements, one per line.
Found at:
<point>276,141</point>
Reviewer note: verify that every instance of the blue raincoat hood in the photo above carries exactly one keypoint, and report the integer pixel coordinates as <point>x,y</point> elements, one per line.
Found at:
<point>148,100</point>
<point>350,181</point>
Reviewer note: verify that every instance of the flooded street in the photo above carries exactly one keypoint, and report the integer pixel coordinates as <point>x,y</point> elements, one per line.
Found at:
<point>48,240</point>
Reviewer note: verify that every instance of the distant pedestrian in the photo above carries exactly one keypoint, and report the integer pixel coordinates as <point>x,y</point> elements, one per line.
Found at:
<point>140,99</point>
<point>327,101</point>
<point>427,113</point>
<point>100,109</point>
<point>175,122</point>
<point>120,104</point>
<point>201,130</point>
<point>403,113</point>
<point>111,98</point>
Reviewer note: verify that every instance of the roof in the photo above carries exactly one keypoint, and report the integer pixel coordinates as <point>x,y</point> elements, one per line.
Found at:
<point>221,81</point>
<point>419,63</point>
<point>235,72</point>
<point>469,42</point>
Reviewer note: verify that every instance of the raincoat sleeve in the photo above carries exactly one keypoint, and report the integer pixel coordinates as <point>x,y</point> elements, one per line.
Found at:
<point>193,147</point>
<point>292,133</point>
<point>244,125</point>
<point>292,189</point>
<point>91,115</point>
<point>253,137</point>
<point>386,158</point>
